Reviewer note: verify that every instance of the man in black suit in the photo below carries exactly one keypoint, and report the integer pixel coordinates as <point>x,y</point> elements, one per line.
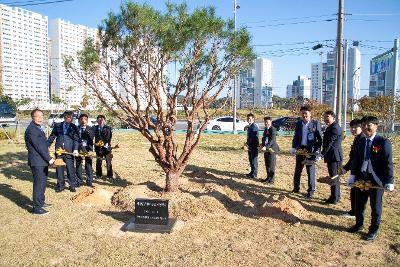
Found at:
<point>38,160</point>
<point>270,148</point>
<point>67,138</point>
<point>252,144</point>
<point>307,135</point>
<point>86,135</point>
<point>372,163</point>
<point>356,131</point>
<point>332,153</point>
<point>103,133</point>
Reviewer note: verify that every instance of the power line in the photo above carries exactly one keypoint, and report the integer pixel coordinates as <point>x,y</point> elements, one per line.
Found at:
<point>304,42</point>
<point>294,18</point>
<point>373,14</point>
<point>290,23</point>
<point>34,3</point>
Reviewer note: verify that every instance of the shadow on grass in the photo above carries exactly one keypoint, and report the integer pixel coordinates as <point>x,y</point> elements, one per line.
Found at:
<point>15,196</point>
<point>122,216</point>
<point>14,165</point>
<point>253,195</point>
<point>117,181</point>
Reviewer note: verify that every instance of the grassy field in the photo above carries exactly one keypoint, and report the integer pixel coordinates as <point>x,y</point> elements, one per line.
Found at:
<point>219,223</point>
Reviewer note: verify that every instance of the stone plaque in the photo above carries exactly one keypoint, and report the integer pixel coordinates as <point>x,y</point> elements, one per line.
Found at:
<point>151,215</point>
<point>151,211</point>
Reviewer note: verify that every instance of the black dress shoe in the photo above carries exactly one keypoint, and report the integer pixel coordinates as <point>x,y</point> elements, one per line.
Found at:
<point>355,229</point>
<point>72,189</point>
<point>264,180</point>
<point>331,201</point>
<point>89,184</point>
<point>309,195</point>
<point>40,212</point>
<point>371,236</point>
<point>249,175</point>
<point>295,191</point>
<point>271,181</point>
<point>58,190</point>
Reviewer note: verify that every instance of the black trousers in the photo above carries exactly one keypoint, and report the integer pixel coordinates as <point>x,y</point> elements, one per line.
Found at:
<point>375,196</point>
<point>297,174</point>
<point>88,169</point>
<point>353,201</point>
<point>333,168</point>
<point>253,160</point>
<point>69,161</point>
<point>270,162</point>
<point>108,157</point>
<point>40,174</point>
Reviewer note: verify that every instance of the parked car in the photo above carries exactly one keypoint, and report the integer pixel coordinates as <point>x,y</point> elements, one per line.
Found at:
<point>59,117</point>
<point>285,123</point>
<point>226,124</point>
<point>7,114</point>
<point>55,118</point>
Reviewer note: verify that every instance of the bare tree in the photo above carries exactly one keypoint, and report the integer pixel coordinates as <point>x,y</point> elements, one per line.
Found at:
<point>129,61</point>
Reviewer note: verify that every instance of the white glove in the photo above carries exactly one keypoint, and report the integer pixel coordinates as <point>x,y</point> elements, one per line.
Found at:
<point>318,158</point>
<point>75,153</point>
<point>389,187</point>
<point>351,180</point>
<point>51,161</point>
<point>264,149</point>
<point>106,145</point>
<point>293,151</point>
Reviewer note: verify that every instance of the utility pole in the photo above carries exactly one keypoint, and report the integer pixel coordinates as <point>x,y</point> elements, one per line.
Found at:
<point>346,61</point>
<point>395,81</point>
<point>235,7</point>
<point>339,62</point>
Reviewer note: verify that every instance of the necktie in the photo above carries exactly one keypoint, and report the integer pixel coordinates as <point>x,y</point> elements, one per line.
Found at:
<point>368,150</point>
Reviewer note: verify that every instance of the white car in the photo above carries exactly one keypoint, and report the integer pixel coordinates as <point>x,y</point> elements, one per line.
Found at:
<point>226,124</point>
<point>59,117</point>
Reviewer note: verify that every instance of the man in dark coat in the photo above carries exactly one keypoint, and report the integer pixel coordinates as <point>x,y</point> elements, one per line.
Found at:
<point>67,138</point>
<point>356,131</point>
<point>103,136</point>
<point>38,160</point>
<point>332,153</point>
<point>373,164</point>
<point>307,135</point>
<point>270,148</point>
<point>252,144</point>
<point>86,136</point>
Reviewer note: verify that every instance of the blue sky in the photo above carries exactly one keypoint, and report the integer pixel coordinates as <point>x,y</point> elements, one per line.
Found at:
<point>374,20</point>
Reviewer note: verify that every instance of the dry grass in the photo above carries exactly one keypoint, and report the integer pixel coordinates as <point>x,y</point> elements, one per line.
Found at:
<point>218,211</point>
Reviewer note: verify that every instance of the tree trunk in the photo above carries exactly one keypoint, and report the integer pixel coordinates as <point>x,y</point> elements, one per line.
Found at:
<point>172,181</point>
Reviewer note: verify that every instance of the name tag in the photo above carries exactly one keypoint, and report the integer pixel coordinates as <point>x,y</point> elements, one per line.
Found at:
<point>84,142</point>
<point>310,136</point>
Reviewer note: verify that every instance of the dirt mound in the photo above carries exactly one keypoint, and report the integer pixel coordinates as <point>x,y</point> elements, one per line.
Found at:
<point>124,198</point>
<point>283,208</point>
<point>93,197</point>
<point>184,204</point>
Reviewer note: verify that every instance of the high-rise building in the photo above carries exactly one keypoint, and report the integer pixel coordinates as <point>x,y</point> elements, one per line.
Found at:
<point>24,55</point>
<point>385,73</point>
<point>328,91</point>
<point>289,91</point>
<point>256,85</point>
<point>317,81</point>
<point>353,73</point>
<point>68,39</point>
<point>301,88</point>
